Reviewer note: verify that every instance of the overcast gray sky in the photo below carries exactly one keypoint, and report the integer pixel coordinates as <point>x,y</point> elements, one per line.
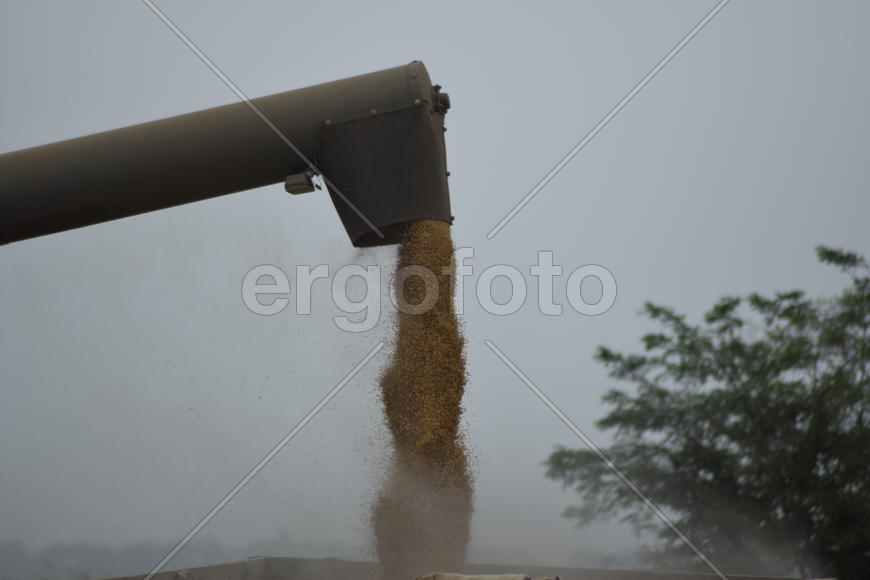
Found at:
<point>137,388</point>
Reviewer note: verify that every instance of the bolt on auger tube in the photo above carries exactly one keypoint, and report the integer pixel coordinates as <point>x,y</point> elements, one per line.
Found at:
<point>377,138</point>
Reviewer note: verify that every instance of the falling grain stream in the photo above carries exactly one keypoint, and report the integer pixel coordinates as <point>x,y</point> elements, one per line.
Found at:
<point>422,515</point>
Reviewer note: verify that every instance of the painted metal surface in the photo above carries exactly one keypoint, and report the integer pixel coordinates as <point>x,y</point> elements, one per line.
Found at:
<point>223,150</point>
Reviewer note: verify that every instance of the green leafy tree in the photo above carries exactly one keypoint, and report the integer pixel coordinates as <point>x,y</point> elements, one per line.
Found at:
<point>750,430</point>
